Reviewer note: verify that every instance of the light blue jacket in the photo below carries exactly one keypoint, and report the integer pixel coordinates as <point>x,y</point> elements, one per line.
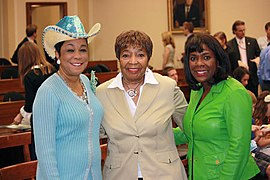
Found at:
<point>66,131</point>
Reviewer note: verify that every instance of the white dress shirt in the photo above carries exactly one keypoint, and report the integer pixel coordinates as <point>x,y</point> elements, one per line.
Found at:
<point>242,49</point>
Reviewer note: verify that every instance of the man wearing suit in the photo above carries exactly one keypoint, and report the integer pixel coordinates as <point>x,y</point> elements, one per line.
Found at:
<point>138,106</point>
<point>246,50</point>
<point>186,12</point>
<point>31,35</point>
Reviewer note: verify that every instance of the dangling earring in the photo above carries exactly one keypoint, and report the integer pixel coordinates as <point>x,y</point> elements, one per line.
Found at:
<point>58,61</point>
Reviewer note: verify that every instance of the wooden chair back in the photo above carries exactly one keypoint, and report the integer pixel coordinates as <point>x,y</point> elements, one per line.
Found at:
<point>112,64</point>
<point>8,111</point>
<point>26,170</point>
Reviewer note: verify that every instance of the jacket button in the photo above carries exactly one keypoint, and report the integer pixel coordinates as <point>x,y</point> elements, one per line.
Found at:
<point>137,136</point>
<point>136,152</point>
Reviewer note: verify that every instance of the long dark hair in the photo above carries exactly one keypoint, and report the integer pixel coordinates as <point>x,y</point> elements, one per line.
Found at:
<point>260,109</point>
<point>195,44</point>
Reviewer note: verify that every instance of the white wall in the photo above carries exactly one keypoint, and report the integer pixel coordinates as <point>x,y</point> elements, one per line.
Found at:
<point>118,15</point>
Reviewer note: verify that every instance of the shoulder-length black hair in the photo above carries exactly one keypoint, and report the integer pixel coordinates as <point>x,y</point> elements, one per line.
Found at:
<point>195,44</point>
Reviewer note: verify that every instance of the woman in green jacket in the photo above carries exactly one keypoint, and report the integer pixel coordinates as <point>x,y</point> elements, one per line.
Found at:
<point>217,122</point>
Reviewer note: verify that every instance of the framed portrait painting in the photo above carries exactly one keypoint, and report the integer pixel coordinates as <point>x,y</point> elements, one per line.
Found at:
<point>194,11</point>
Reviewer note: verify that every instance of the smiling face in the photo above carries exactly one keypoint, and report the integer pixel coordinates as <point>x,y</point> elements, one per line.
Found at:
<point>203,65</point>
<point>133,63</point>
<point>73,56</point>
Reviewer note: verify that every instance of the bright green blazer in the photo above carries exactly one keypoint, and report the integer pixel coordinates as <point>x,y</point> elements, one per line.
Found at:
<point>218,133</point>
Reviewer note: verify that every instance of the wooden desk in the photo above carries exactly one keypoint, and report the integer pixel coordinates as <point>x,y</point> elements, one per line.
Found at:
<point>10,138</point>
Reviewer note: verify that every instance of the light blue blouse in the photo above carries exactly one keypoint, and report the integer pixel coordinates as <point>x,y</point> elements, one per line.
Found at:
<point>66,131</point>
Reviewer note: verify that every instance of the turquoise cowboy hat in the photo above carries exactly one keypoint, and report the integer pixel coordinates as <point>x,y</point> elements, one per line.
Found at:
<point>68,28</point>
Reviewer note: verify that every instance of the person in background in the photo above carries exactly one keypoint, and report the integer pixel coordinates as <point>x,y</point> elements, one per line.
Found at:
<point>138,106</point>
<point>31,35</point>
<point>259,141</point>
<point>186,12</point>
<point>222,39</point>
<point>215,125</point>
<point>171,73</point>
<point>264,69</point>
<point>188,29</point>
<point>33,70</point>
<point>188,32</point>
<point>246,50</point>
<point>264,40</point>
<point>169,49</point>
<point>242,75</point>
<point>259,136</point>
<point>66,112</point>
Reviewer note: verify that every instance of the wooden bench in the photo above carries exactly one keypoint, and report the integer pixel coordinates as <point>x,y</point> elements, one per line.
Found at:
<point>112,64</point>
<point>19,171</point>
<point>2,68</point>
<point>17,139</point>
<point>8,111</point>
<point>9,85</point>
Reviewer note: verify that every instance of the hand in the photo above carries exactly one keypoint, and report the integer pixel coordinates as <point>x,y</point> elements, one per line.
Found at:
<point>241,64</point>
<point>256,60</point>
<point>255,128</point>
<point>18,119</point>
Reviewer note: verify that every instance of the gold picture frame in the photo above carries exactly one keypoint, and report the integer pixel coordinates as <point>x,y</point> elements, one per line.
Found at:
<point>198,15</point>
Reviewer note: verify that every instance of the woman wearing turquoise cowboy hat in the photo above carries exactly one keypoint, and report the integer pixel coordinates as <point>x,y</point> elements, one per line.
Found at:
<point>66,113</point>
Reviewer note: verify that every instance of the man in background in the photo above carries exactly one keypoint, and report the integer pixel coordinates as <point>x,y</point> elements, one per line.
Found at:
<point>188,29</point>
<point>171,72</point>
<point>246,50</point>
<point>264,40</point>
<point>31,35</point>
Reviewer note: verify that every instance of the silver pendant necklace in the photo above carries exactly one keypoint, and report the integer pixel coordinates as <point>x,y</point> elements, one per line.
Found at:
<point>132,92</point>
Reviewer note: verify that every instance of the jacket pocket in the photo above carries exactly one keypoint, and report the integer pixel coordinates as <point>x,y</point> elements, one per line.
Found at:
<point>213,164</point>
<point>113,162</point>
<point>167,156</point>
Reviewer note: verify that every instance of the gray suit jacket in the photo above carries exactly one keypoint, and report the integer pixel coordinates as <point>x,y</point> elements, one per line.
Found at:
<point>147,138</point>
